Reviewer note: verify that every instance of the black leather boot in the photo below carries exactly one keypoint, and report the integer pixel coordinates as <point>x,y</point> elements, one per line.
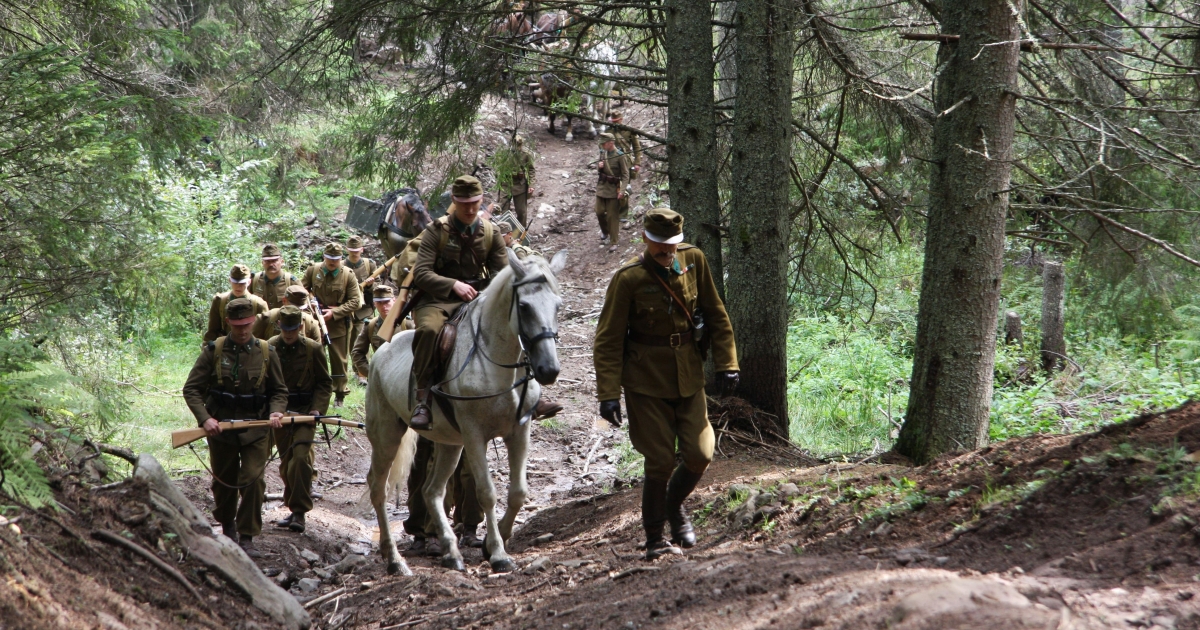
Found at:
<point>297,522</point>
<point>421,415</point>
<point>285,522</point>
<point>654,516</point>
<point>682,483</point>
<point>230,531</point>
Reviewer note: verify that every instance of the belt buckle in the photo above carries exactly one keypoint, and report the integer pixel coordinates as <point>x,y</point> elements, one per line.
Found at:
<point>676,340</point>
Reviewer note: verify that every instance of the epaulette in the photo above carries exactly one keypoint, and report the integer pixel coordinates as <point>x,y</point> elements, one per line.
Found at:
<point>212,345</point>
<point>683,246</point>
<point>633,262</point>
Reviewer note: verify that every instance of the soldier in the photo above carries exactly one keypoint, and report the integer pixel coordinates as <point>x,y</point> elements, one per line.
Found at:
<point>613,172</point>
<point>337,291</point>
<point>239,281</point>
<point>628,142</point>
<point>268,325</point>
<point>271,284</point>
<point>237,377</point>
<point>521,184</point>
<point>369,339</point>
<point>362,268</point>
<point>306,373</point>
<point>458,253</point>
<point>656,308</point>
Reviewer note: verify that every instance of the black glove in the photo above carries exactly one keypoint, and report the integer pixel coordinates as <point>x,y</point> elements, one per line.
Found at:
<point>727,383</point>
<point>611,410</point>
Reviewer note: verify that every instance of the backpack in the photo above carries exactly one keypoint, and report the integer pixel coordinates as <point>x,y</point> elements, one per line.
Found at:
<point>409,257</point>
<point>219,344</point>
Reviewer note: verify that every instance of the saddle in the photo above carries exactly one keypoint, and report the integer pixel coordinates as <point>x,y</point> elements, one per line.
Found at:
<point>445,343</point>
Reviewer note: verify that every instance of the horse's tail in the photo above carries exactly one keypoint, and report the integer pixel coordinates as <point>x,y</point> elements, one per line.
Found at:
<point>397,479</point>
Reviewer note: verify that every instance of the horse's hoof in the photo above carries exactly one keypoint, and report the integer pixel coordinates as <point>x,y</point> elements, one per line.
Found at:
<point>456,564</point>
<point>504,565</point>
<point>400,567</point>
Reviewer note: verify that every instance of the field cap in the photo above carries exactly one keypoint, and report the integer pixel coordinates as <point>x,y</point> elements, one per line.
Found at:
<point>606,137</point>
<point>271,252</point>
<point>354,244</point>
<point>663,225</point>
<point>240,274</point>
<point>290,318</point>
<point>297,295</point>
<point>240,312</point>
<point>466,189</point>
<point>333,251</point>
<point>383,293</point>
<point>505,227</point>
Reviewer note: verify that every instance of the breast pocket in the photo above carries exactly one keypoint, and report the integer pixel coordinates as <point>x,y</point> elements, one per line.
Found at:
<point>648,304</point>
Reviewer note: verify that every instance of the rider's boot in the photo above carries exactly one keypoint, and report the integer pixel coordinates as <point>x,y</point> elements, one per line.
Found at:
<point>546,409</point>
<point>654,516</point>
<point>682,482</point>
<point>421,415</point>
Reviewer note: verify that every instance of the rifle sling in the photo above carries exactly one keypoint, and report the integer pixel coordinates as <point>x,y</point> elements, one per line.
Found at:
<point>667,287</point>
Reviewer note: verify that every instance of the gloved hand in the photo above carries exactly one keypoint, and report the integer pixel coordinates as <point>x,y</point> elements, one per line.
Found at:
<point>611,410</point>
<point>727,383</point>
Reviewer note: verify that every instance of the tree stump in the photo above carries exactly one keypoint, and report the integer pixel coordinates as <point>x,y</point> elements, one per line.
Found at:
<point>1054,346</point>
<point>1013,334</point>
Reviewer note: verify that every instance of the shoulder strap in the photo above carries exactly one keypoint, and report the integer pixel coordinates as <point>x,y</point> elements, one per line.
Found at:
<point>488,232</point>
<point>664,285</point>
<point>266,352</point>
<point>219,346</point>
<point>308,364</point>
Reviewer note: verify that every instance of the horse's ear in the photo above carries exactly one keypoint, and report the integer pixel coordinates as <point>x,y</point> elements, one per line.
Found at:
<point>559,262</point>
<point>518,267</point>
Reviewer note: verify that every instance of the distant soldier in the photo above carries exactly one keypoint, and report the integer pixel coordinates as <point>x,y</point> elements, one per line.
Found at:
<point>628,142</point>
<point>271,284</point>
<point>362,268</point>
<point>268,325</point>
<point>613,175</point>
<point>520,186</point>
<point>239,281</point>
<point>306,373</point>
<point>237,377</point>
<point>337,291</point>
<point>649,341</point>
<point>369,340</point>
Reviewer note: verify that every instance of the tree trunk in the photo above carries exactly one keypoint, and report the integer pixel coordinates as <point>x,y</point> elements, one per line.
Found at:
<point>1054,346</point>
<point>691,132</point>
<point>726,44</point>
<point>954,356</point>
<point>1014,335</point>
<point>758,221</point>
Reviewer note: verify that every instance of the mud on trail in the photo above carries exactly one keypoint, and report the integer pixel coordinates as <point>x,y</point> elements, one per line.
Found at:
<point>1080,531</point>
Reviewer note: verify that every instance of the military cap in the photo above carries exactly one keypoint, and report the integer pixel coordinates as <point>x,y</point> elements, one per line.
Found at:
<point>290,318</point>
<point>519,141</point>
<point>616,114</point>
<point>466,189</point>
<point>354,244</point>
<point>240,312</point>
<point>297,295</point>
<point>383,293</point>
<point>240,274</point>
<point>663,225</point>
<point>333,251</point>
<point>505,227</point>
<point>270,251</point>
<point>606,137</point>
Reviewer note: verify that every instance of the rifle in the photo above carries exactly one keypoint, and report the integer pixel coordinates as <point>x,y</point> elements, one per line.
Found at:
<point>320,317</point>
<point>183,437</point>
<point>400,309</point>
<point>378,272</point>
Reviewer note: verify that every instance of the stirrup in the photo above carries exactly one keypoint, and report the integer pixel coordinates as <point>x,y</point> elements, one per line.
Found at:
<point>421,418</point>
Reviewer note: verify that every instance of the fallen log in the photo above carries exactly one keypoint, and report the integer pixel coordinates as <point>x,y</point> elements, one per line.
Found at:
<point>220,554</point>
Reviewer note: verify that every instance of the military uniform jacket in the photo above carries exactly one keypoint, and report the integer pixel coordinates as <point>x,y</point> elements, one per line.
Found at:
<point>636,302</point>
<point>629,144</point>
<point>272,291</point>
<point>337,290</point>
<point>306,372</point>
<point>523,177</point>
<point>217,326</point>
<point>241,370</point>
<point>462,259</point>
<point>365,267</point>
<point>368,339</point>
<point>613,164</point>
<point>267,325</point>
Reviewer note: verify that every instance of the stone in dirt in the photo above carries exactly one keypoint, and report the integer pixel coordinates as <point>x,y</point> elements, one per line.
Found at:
<point>543,539</point>
<point>308,585</point>
<point>349,563</point>
<point>310,556</point>
<point>540,564</point>
<point>977,599</point>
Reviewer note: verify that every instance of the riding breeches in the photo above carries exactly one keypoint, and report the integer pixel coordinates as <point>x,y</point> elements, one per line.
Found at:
<point>429,322</point>
<point>240,466</point>
<point>656,425</point>
<point>608,213</point>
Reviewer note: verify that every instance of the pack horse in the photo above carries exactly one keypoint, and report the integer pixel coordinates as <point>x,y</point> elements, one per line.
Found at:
<point>504,351</point>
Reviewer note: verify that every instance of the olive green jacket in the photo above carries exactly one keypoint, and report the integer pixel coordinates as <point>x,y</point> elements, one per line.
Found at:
<point>200,389</point>
<point>337,290</point>
<point>614,164</point>
<point>636,302</point>
<point>629,144</point>
<point>365,267</point>
<point>272,291</point>
<point>522,179</point>
<point>436,272</point>
<point>305,369</point>
<point>368,340</point>
<point>217,326</point>
<point>267,325</point>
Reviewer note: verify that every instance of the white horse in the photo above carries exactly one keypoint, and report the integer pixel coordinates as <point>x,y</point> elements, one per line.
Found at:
<point>594,85</point>
<point>505,350</point>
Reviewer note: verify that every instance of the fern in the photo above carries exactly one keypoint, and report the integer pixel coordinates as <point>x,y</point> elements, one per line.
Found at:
<point>27,385</point>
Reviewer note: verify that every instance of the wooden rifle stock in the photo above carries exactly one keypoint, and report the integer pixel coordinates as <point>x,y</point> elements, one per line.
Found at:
<point>320,317</point>
<point>399,310</point>
<point>378,272</point>
<point>184,437</point>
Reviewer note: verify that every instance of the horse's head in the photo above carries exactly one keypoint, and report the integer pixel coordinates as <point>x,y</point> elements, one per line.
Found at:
<point>537,303</point>
<point>413,215</point>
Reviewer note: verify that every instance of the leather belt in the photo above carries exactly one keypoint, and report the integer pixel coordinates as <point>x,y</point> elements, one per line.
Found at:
<point>673,341</point>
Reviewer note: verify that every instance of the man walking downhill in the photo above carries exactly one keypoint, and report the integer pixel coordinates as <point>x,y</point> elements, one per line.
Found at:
<point>612,172</point>
<point>337,291</point>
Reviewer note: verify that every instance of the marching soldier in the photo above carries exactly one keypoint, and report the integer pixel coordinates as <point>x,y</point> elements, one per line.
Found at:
<point>306,373</point>
<point>521,185</point>
<point>613,172</point>
<point>239,281</point>
<point>369,339</point>
<point>237,377</point>
<point>628,142</point>
<point>268,325</point>
<point>458,253</point>
<point>337,291</point>
<point>362,268</point>
<point>272,283</point>
<point>656,312</point>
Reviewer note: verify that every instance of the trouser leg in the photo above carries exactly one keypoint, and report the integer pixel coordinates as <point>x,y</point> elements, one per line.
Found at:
<point>418,515</point>
<point>253,485</point>
<point>356,330</point>
<point>521,208</point>
<point>466,503</point>
<point>339,350</point>
<point>224,459</point>
<point>609,215</point>
<point>429,321</point>
<point>296,458</point>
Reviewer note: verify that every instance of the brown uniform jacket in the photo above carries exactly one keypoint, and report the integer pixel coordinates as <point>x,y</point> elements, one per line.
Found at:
<point>272,291</point>
<point>364,269</point>
<point>204,396</point>
<point>613,164</point>
<point>306,373</point>
<point>368,339</point>
<point>629,144</point>
<point>635,301</point>
<point>337,290</point>
<point>217,326</point>
<point>436,272</point>
<point>267,326</point>
<point>522,179</point>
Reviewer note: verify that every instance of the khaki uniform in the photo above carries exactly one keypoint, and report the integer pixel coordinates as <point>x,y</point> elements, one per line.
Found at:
<point>272,291</point>
<point>463,258</point>
<point>630,145</point>
<point>664,385</point>
<point>367,340</point>
<point>243,391</point>
<point>365,267</point>
<point>267,326</point>
<point>613,176</point>
<point>522,179</point>
<point>306,373</point>
<point>339,291</point>
<point>217,326</point>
